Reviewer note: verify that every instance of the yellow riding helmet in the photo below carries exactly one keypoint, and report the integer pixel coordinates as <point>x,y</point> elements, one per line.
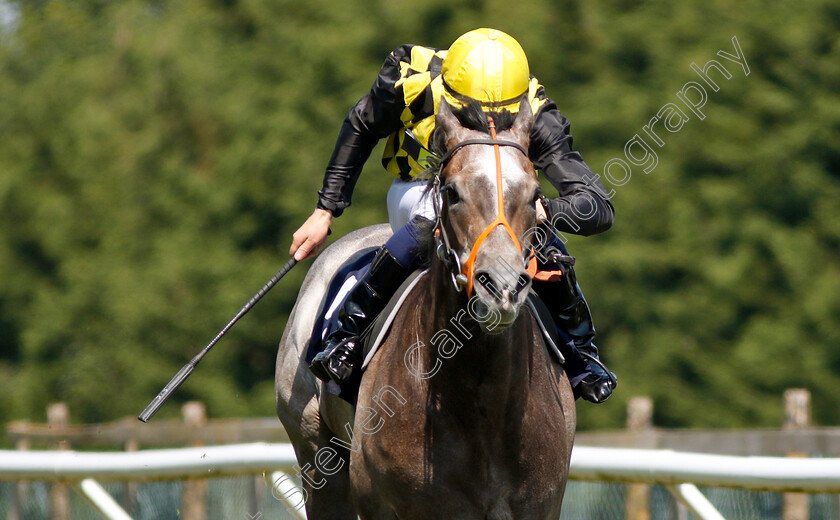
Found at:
<point>488,66</point>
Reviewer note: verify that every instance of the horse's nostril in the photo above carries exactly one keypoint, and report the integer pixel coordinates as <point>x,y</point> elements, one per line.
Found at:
<point>486,281</point>
<point>503,290</point>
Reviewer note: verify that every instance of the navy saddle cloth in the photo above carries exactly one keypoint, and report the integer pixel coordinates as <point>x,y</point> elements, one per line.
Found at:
<point>326,322</point>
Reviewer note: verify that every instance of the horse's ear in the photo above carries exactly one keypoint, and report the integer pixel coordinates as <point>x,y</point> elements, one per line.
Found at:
<point>523,123</point>
<point>446,122</point>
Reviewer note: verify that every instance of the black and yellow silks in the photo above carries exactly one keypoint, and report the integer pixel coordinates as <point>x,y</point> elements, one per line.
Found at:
<point>484,65</point>
<point>422,86</point>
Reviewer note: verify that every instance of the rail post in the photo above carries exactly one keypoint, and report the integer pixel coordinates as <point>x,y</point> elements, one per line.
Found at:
<point>640,422</point>
<point>19,493</point>
<point>58,415</point>
<point>195,490</point>
<point>797,417</point>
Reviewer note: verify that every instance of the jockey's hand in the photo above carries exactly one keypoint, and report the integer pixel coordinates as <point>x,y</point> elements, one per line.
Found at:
<point>542,216</point>
<point>311,237</point>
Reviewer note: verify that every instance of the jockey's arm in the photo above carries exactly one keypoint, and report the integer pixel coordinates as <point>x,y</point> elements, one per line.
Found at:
<point>583,207</point>
<point>375,116</point>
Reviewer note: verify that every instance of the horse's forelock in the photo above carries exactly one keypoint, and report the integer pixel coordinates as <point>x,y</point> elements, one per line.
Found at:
<point>474,117</point>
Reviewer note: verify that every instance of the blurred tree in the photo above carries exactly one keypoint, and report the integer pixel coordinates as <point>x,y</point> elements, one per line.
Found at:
<point>157,155</point>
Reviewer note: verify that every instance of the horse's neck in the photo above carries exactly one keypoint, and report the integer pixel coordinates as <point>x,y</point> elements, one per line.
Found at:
<point>491,369</point>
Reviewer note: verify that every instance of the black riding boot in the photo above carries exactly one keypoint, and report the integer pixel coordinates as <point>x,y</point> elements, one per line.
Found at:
<point>571,314</point>
<point>364,302</point>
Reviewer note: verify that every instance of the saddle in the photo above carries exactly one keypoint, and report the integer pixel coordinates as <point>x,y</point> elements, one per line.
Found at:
<point>341,284</point>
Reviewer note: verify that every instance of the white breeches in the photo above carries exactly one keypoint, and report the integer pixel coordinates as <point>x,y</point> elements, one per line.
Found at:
<point>407,200</point>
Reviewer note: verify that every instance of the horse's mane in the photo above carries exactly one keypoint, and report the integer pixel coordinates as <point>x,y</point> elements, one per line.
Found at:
<point>474,117</point>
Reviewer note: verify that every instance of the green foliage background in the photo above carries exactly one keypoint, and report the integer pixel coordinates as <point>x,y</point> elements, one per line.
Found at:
<point>157,155</point>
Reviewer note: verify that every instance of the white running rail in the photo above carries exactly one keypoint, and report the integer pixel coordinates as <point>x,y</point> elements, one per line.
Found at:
<point>680,471</point>
<point>666,467</point>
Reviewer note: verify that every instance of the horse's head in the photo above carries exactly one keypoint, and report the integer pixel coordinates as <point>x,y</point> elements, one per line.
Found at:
<point>490,244</point>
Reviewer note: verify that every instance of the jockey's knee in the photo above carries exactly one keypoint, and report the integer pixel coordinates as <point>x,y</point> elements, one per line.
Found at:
<point>411,243</point>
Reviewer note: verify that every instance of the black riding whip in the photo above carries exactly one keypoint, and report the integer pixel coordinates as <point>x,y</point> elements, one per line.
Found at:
<point>185,372</point>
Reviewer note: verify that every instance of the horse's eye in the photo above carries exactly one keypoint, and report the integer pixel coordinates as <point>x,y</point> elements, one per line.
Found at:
<point>451,195</point>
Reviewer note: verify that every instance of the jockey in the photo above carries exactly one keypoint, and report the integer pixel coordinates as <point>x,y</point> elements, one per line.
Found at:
<point>485,66</point>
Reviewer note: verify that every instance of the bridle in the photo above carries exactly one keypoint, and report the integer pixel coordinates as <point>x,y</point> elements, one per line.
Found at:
<point>462,276</point>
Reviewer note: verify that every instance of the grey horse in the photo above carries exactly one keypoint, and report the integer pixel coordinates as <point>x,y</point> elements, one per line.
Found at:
<point>462,413</point>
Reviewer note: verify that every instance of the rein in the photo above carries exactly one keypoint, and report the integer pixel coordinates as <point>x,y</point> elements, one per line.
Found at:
<point>462,276</point>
